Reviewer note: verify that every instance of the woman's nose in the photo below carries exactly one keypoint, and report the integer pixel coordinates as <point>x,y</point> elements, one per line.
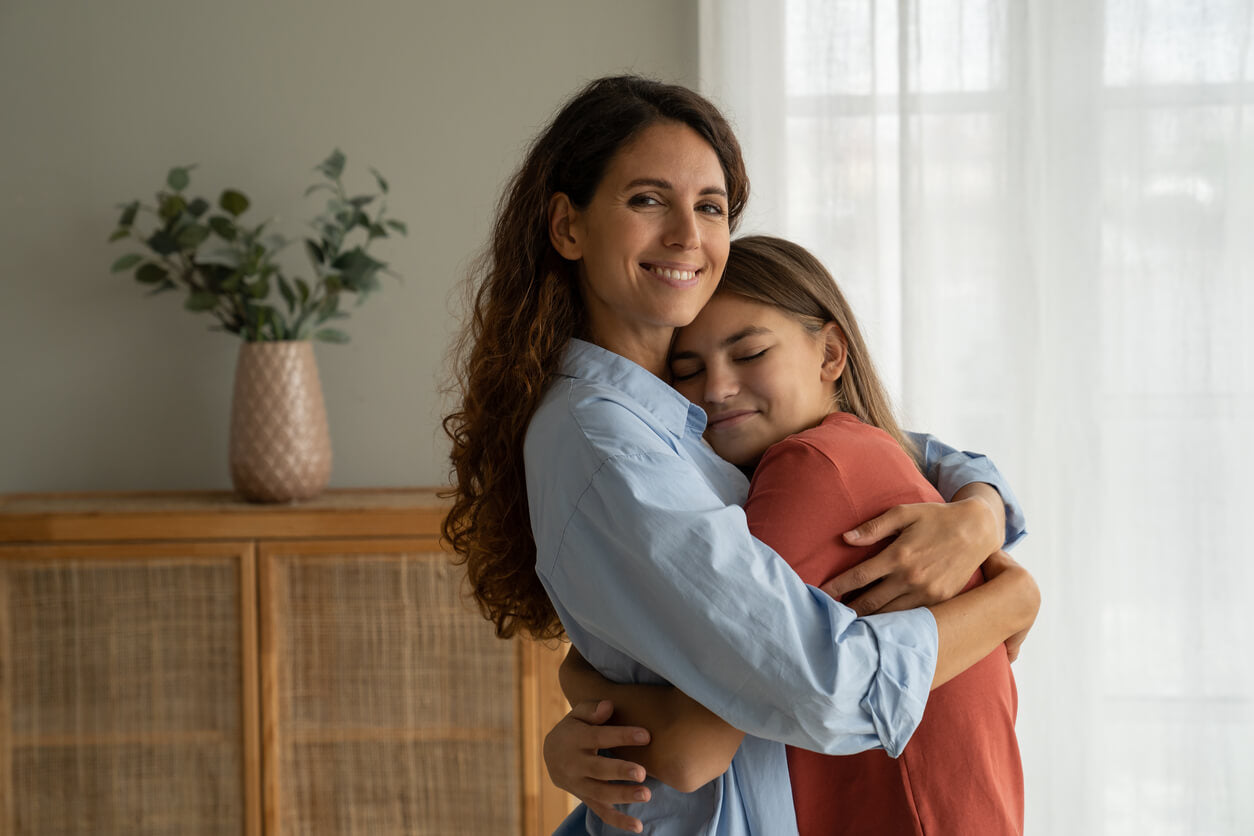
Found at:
<point>682,231</point>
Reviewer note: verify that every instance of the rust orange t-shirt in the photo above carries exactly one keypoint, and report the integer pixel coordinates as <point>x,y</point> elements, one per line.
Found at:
<point>960,773</point>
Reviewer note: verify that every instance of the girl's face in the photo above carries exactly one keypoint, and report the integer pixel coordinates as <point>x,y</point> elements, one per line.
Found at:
<point>757,372</point>
<point>651,243</point>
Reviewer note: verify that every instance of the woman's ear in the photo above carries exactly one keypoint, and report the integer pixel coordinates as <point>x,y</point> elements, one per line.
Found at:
<point>835,352</point>
<point>564,229</point>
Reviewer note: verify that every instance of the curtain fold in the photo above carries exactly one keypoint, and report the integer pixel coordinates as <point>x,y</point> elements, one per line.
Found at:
<point>1043,214</point>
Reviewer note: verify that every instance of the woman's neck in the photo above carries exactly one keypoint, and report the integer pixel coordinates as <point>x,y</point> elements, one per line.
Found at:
<point>648,350</point>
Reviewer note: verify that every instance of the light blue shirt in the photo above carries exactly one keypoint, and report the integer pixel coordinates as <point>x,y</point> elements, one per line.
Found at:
<point>645,552</point>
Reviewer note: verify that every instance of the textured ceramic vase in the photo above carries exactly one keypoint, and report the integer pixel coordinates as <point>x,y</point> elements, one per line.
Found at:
<point>280,444</point>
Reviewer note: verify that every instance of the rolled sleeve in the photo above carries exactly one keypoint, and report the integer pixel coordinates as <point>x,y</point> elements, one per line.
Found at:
<point>950,470</point>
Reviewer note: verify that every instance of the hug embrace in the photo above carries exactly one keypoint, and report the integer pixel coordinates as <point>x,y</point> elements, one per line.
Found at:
<point>673,449</point>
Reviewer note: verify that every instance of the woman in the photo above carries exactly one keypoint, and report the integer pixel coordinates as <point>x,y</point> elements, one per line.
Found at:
<point>778,363</point>
<point>613,233</point>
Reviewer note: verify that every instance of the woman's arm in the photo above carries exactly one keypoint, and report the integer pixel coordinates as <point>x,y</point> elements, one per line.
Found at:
<point>938,546</point>
<point>689,744</point>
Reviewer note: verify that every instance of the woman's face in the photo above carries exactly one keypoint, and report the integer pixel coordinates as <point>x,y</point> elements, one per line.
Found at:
<point>757,372</point>
<point>651,243</point>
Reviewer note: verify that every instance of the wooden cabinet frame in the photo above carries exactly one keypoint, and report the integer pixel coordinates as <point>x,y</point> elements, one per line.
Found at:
<point>151,527</point>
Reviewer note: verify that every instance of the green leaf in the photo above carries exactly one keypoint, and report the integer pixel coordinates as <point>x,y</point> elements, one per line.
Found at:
<point>177,179</point>
<point>162,288</point>
<point>198,207</point>
<point>128,213</point>
<point>172,205</point>
<point>192,236</point>
<point>356,267</point>
<point>233,202</point>
<point>331,335</point>
<point>361,200</point>
<point>126,262</point>
<point>151,273</point>
<point>303,289</point>
<point>199,300</point>
<point>377,231</point>
<point>333,166</point>
<point>314,251</point>
<point>317,187</point>
<point>222,225</point>
<point>162,243</point>
<point>399,226</point>
<point>119,233</point>
<point>289,296</point>
<point>378,178</point>
<point>259,289</point>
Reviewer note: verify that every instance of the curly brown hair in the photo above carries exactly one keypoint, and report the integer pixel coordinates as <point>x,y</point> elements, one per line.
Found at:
<point>525,308</point>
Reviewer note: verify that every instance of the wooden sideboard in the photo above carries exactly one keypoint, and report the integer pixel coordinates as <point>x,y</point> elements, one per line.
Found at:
<point>184,663</point>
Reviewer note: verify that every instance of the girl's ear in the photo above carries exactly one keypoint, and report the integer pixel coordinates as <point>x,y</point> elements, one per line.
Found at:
<point>835,352</point>
<point>565,232</point>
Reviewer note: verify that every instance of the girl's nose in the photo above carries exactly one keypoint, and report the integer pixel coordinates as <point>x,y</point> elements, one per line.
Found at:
<point>720,384</point>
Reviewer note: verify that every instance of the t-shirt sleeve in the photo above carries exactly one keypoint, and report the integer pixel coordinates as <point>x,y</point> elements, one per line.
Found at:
<point>799,505</point>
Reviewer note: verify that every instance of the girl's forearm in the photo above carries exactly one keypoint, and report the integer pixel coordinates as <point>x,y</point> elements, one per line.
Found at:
<point>973,624</point>
<point>689,744</point>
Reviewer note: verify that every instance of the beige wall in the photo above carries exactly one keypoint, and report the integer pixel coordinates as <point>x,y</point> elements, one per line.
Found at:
<point>104,389</point>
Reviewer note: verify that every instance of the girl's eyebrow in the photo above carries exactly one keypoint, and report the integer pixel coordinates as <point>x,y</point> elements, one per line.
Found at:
<point>743,333</point>
<point>666,184</point>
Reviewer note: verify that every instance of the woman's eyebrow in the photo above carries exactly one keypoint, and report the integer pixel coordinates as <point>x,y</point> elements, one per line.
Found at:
<point>666,184</point>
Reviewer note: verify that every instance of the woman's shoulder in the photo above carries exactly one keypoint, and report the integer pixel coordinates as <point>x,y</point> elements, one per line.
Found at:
<point>586,422</point>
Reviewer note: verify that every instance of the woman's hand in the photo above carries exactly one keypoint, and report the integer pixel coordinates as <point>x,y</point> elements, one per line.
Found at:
<point>570,753</point>
<point>938,548</point>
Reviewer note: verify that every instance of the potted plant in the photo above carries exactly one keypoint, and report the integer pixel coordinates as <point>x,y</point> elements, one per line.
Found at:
<point>228,268</point>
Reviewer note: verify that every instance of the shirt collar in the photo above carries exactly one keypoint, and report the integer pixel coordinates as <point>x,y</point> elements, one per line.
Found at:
<point>586,360</point>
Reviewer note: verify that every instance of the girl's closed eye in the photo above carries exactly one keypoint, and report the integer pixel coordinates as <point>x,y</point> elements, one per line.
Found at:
<point>681,373</point>
<point>749,358</point>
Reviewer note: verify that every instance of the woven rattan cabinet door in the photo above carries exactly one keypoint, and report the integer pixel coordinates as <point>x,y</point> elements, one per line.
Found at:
<point>127,689</point>
<point>389,706</point>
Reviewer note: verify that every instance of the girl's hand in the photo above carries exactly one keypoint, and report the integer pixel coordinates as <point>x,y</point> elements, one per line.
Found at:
<point>938,548</point>
<point>997,563</point>
<point>570,753</point>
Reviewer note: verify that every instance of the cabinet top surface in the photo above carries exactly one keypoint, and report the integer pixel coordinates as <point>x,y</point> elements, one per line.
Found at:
<point>218,514</point>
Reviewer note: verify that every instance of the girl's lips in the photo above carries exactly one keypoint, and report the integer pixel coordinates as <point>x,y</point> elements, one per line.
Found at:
<point>727,420</point>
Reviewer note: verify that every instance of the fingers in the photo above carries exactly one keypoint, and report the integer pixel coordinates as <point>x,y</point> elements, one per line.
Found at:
<point>864,574</point>
<point>593,712</point>
<point>886,524</point>
<point>614,818</point>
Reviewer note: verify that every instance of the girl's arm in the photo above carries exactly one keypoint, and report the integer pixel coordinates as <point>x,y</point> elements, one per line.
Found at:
<point>689,744</point>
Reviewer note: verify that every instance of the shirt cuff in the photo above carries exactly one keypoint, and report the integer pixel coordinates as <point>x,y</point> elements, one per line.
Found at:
<point>899,690</point>
<point>956,470</point>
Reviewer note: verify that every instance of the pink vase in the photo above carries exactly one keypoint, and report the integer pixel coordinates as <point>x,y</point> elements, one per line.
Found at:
<point>280,443</point>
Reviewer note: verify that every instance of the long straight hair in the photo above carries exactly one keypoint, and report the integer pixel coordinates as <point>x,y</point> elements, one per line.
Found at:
<point>787,276</point>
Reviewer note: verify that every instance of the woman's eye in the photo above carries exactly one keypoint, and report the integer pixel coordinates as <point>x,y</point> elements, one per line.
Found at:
<point>710,208</point>
<point>644,200</point>
<point>751,357</point>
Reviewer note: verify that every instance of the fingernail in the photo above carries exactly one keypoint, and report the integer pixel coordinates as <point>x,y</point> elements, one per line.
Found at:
<point>637,775</point>
<point>640,736</point>
<point>642,795</point>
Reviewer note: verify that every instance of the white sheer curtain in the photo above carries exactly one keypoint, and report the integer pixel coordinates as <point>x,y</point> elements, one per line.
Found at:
<point>1044,214</point>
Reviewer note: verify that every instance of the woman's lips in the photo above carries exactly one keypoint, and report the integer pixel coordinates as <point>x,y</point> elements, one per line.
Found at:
<point>675,275</point>
<point>727,420</point>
